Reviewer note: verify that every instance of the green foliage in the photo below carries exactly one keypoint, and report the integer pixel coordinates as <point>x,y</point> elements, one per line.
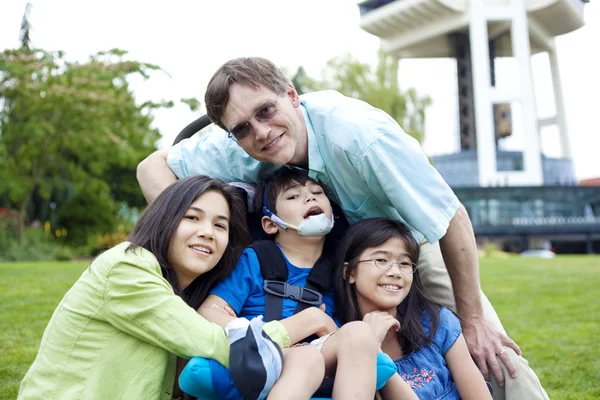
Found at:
<point>77,219</point>
<point>549,307</point>
<point>491,249</point>
<point>71,135</point>
<point>192,103</point>
<point>377,86</point>
<point>39,246</point>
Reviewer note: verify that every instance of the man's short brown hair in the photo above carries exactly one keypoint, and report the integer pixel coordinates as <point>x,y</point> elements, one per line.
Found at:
<point>247,71</point>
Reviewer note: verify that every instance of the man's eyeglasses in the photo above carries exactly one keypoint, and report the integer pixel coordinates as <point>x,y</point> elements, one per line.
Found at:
<point>265,113</point>
<point>406,267</point>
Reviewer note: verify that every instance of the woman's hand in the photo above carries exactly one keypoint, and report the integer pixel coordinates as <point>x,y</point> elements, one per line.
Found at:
<point>381,323</point>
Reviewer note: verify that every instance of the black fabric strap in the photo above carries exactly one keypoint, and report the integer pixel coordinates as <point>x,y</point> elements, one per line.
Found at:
<point>272,267</point>
<point>320,279</point>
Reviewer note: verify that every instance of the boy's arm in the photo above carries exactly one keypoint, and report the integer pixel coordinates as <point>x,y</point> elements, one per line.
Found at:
<point>299,326</point>
<point>215,309</point>
<point>311,321</point>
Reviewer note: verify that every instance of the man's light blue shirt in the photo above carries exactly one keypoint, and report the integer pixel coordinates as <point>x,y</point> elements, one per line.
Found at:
<point>367,163</point>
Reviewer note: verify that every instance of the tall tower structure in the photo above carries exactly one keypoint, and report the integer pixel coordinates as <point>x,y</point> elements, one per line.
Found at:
<point>475,33</point>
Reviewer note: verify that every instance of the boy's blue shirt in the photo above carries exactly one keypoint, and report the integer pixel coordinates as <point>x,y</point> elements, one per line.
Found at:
<point>243,289</point>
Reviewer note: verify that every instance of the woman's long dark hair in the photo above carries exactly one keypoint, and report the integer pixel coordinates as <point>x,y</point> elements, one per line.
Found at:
<point>159,221</point>
<point>373,232</point>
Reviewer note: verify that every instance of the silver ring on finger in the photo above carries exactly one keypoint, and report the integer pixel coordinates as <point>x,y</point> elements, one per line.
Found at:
<point>502,352</point>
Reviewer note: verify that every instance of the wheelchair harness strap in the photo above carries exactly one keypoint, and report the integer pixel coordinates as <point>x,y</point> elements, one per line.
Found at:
<point>275,273</point>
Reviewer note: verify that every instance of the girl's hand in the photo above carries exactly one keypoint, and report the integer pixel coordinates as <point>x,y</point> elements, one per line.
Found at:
<point>381,323</point>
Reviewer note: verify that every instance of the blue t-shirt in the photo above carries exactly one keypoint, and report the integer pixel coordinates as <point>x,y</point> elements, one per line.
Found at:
<point>244,292</point>
<point>425,370</point>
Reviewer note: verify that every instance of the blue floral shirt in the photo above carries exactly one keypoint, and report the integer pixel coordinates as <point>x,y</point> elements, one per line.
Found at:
<point>425,370</point>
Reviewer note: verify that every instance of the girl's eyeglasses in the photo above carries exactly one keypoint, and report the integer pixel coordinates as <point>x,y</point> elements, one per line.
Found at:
<point>406,267</point>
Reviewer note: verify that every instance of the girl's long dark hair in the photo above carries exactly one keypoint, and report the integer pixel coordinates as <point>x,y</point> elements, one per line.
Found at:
<point>373,232</point>
<point>159,221</point>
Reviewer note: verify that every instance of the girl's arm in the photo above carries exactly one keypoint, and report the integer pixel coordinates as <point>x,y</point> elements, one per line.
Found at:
<point>465,373</point>
<point>397,389</point>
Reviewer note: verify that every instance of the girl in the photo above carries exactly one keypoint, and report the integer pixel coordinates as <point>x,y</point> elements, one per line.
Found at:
<point>377,282</point>
<point>117,332</point>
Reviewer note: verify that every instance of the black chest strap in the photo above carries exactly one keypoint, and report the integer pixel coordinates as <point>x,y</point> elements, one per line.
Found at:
<point>275,273</point>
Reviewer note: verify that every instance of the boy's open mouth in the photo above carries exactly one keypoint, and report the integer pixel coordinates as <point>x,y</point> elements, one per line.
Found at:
<point>313,211</point>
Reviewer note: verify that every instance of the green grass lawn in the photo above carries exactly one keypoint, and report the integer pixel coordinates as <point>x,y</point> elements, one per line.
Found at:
<point>550,307</point>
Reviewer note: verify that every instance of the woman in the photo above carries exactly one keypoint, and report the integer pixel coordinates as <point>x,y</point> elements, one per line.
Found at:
<point>117,332</point>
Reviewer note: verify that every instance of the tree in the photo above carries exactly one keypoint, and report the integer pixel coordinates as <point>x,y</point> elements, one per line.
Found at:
<point>72,128</point>
<point>377,86</point>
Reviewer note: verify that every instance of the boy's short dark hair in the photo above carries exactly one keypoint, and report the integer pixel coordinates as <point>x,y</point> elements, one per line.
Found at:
<point>280,181</point>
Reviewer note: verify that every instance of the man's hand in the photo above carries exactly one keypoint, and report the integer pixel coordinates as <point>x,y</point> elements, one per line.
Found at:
<point>381,323</point>
<point>485,342</point>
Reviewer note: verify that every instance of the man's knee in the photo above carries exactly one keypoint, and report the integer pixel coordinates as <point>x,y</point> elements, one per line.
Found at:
<point>434,275</point>
<point>525,386</point>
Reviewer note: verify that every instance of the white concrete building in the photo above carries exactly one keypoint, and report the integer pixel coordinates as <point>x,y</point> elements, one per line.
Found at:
<point>475,32</point>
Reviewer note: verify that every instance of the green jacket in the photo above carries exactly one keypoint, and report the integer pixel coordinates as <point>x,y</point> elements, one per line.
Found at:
<point>117,332</point>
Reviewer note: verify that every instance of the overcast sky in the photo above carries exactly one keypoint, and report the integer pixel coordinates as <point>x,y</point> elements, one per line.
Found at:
<point>190,39</point>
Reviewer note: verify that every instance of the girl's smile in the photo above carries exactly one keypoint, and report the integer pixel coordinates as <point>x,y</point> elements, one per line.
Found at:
<point>380,289</point>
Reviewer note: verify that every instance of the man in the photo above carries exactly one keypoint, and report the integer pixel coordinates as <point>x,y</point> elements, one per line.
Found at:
<point>370,166</point>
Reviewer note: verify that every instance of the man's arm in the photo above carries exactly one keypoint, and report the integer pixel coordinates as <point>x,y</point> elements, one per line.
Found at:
<point>483,339</point>
<point>154,174</point>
